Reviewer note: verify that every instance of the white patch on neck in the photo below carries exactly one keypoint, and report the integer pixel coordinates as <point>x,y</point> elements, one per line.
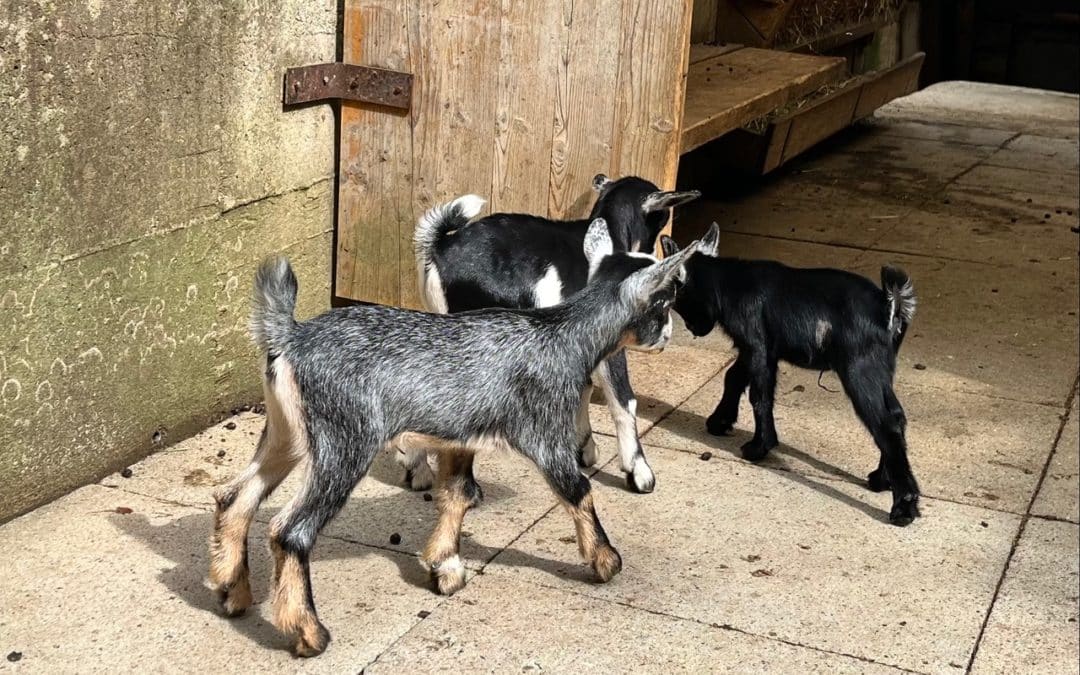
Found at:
<point>548,291</point>
<point>647,256</point>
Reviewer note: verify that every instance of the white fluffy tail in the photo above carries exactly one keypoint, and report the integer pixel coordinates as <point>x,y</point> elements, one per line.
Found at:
<point>432,226</point>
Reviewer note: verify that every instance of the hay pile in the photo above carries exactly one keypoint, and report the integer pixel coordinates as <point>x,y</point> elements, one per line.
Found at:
<point>812,19</point>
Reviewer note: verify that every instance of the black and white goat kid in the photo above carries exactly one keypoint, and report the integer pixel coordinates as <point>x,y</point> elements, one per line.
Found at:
<point>823,319</point>
<point>352,381</point>
<point>522,261</point>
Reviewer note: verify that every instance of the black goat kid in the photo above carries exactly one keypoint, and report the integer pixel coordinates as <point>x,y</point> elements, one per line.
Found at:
<point>823,319</point>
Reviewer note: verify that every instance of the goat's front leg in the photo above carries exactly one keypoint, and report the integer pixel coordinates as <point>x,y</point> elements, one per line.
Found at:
<point>723,419</point>
<point>762,370</point>
<point>575,491</point>
<point>454,496</point>
<point>614,380</point>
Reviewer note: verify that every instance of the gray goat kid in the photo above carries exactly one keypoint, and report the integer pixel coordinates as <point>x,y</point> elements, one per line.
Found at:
<point>520,261</point>
<point>346,384</point>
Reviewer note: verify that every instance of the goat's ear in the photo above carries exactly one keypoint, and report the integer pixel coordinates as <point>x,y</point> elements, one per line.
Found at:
<point>710,243</point>
<point>643,283</point>
<point>668,246</point>
<point>597,244</point>
<point>600,181</point>
<point>659,201</point>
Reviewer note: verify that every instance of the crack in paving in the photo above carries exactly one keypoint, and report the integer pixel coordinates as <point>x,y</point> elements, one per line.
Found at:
<point>1025,519</point>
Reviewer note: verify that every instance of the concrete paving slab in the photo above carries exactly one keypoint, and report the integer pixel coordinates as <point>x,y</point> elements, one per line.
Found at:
<point>87,589</point>
<point>1033,626</point>
<point>821,213</point>
<point>902,169</point>
<point>1023,179</point>
<point>515,495</point>
<point>656,390</point>
<point>976,325</point>
<point>1039,153</point>
<point>557,631</point>
<point>1059,496</point>
<point>988,236</point>
<point>787,556</point>
<point>971,449</point>
<point>990,106</point>
<point>945,133</point>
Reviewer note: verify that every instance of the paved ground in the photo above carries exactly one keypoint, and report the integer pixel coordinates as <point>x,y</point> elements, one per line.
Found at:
<point>788,567</point>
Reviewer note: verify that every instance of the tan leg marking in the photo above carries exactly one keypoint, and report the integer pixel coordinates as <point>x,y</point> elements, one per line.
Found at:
<point>592,545</point>
<point>441,553</point>
<point>292,613</point>
<point>280,449</point>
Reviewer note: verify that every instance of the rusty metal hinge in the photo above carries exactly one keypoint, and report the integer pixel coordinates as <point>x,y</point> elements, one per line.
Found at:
<point>327,81</point>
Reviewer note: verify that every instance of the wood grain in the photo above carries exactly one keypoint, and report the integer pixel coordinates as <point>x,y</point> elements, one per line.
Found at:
<point>727,91</point>
<point>530,39</point>
<point>375,162</point>
<point>703,21</point>
<point>583,114</point>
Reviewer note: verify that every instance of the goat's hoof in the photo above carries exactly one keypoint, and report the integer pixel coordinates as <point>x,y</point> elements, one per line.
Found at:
<point>449,575</point>
<point>720,425</point>
<point>419,478</point>
<point>235,598</point>
<point>877,481</point>
<point>607,563</point>
<point>641,478</point>
<point>587,453</point>
<point>755,450</point>
<point>905,510</point>
<point>312,642</point>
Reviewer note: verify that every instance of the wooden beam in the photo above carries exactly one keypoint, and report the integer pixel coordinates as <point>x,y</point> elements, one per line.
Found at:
<point>725,92</point>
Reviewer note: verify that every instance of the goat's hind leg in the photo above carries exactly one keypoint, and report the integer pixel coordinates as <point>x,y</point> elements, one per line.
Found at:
<point>614,379</point>
<point>871,393</point>
<point>236,505</point>
<point>332,474</point>
<point>455,494</point>
<point>586,444</point>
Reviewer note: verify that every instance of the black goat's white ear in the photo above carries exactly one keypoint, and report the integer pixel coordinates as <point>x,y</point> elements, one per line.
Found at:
<point>710,243</point>
<point>668,246</point>
<point>597,244</point>
<point>659,201</point>
<point>600,181</point>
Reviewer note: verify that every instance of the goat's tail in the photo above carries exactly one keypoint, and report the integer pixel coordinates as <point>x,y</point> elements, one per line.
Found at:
<point>900,295</point>
<point>439,220</point>
<point>430,229</point>
<point>273,303</point>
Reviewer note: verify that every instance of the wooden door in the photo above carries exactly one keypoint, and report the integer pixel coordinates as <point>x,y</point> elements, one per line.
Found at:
<point>521,102</point>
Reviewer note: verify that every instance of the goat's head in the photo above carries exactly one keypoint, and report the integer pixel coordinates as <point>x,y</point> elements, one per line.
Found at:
<point>646,286</point>
<point>635,209</point>
<point>696,302</point>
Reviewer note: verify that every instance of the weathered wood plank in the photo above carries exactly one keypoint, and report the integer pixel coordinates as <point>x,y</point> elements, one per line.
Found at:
<point>375,162</point>
<point>703,21</point>
<point>880,88</point>
<point>650,90</point>
<point>818,121</point>
<point>703,52</point>
<point>725,92</point>
<point>587,72</point>
<point>529,55</point>
<point>455,47</point>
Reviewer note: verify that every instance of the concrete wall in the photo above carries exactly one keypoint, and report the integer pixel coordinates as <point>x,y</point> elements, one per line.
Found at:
<point>145,167</point>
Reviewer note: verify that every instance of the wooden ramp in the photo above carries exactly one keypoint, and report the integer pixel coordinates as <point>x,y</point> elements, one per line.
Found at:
<point>728,86</point>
